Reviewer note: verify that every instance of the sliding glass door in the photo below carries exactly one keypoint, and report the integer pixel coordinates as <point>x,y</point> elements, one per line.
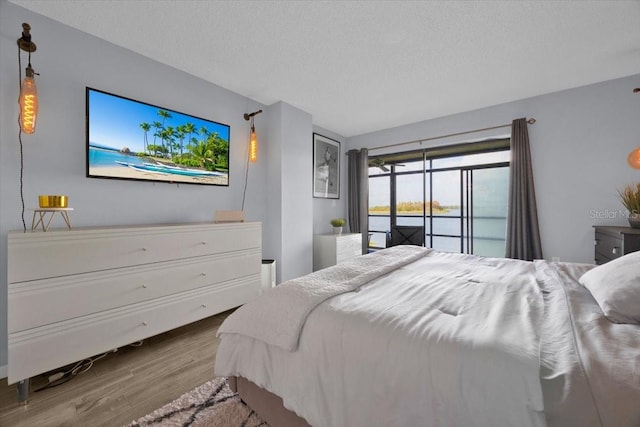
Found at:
<point>460,200</point>
<point>487,191</point>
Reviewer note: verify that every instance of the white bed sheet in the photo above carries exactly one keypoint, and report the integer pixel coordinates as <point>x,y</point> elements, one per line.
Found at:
<point>590,371</point>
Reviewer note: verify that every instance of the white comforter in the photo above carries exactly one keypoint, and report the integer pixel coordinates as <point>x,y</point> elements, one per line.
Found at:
<point>447,340</point>
<point>277,319</point>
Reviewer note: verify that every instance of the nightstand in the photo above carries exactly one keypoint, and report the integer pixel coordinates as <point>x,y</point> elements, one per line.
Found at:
<point>613,242</point>
<point>332,249</point>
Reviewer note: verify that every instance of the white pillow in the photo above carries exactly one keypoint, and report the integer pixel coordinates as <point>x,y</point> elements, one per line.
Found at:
<point>616,288</point>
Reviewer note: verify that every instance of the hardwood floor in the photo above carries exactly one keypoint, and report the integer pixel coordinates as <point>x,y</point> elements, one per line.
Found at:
<point>124,385</point>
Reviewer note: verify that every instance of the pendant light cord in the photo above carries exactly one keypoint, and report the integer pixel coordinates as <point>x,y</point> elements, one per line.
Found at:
<point>24,224</point>
<point>246,170</point>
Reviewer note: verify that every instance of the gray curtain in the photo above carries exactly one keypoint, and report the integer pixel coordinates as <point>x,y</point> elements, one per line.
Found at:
<point>523,234</point>
<point>358,201</point>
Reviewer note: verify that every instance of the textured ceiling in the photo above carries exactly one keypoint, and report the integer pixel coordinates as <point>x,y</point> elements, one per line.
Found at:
<point>361,66</point>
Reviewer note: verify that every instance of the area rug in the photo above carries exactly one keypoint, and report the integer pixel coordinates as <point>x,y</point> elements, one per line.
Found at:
<point>212,404</point>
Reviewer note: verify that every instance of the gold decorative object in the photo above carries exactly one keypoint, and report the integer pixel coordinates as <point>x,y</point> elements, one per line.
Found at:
<point>48,201</point>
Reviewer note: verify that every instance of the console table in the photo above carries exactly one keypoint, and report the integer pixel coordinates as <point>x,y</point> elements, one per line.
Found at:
<point>73,294</point>
<point>332,249</point>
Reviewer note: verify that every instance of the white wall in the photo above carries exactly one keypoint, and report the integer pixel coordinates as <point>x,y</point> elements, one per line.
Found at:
<point>324,210</point>
<point>579,147</point>
<point>54,157</point>
<point>290,238</point>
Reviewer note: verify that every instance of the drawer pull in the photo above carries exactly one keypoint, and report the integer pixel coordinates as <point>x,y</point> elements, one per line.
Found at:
<point>203,274</point>
<point>204,305</point>
<point>144,286</point>
<point>144,249</point>
<point>615,250</point>
<point>203,243</point>
<point>144,323</point>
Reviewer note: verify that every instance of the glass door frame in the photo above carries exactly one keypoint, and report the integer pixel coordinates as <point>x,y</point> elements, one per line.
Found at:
<point>427,156</point>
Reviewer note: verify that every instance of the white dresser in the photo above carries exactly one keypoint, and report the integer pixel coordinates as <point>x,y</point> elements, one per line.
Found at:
<point>332,249</point>
<point>78,293</point>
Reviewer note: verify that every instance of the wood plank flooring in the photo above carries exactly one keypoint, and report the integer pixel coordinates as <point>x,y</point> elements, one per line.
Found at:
<point>123,386</point>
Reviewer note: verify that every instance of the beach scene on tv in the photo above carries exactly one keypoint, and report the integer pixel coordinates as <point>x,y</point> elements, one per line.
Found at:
<point>134,140</point>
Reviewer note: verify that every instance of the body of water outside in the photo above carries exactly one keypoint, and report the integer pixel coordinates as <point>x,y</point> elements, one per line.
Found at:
<point>488,232</point>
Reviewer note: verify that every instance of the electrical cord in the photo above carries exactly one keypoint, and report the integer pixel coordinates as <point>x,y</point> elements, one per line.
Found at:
<point>80,367</point>
<point>24,224</point>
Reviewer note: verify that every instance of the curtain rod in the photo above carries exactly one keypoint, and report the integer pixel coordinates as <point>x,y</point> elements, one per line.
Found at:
<point>530,121</point>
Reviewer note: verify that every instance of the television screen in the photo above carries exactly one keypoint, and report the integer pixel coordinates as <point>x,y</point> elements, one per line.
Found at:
<point>128,139</point>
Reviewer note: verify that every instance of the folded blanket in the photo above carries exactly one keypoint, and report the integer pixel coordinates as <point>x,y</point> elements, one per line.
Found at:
<point>278,316</point>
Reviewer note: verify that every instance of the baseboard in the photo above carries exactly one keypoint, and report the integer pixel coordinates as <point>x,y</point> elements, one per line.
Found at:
<point>3,371</point>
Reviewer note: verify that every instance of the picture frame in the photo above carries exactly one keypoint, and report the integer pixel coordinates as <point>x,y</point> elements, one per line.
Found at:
<point>326,167</point>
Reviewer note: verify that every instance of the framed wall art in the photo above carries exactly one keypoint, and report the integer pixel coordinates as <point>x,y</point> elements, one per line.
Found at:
<point>326,167</point>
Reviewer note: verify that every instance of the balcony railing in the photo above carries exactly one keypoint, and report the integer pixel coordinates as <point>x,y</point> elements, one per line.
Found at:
<point>487,245</point>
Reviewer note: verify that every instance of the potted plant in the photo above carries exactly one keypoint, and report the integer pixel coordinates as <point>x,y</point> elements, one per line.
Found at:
<point>630,198</point>
<point>337,224</point>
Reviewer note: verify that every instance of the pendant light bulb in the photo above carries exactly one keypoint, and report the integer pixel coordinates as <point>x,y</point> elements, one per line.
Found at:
<point>253,146</point>
<point>634,158</point>
<point>28,102</point>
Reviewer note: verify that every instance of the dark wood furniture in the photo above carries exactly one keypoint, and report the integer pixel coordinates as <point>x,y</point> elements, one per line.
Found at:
<point>612,242</point>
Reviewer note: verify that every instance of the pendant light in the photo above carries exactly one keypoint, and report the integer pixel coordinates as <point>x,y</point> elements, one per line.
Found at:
<point>28,101</point>
<point>253,144</point>
<point>253,150</point>
<point>28,93</point>
<point>253,138</point>
<point>634,157</point>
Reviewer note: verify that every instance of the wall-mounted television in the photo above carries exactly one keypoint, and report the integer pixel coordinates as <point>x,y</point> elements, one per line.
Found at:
<point>128,139</point>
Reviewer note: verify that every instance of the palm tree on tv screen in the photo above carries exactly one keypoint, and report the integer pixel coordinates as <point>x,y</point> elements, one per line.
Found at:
<point>200,151</point>
<point>204,149</point>
<point>165,115</point>
<point>170,137</point>
<point>145,128</point>
<point>189,128</point>
<point>157,126</point>
<point>180,134</point>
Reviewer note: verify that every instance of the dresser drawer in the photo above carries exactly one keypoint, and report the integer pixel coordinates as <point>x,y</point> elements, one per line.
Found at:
<point>61,253</point>
<point>79,338</point>
<point>607,246</point>
<point>68,297</point>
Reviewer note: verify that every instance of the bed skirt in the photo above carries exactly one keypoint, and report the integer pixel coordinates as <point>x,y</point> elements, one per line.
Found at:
<point>266,404</point>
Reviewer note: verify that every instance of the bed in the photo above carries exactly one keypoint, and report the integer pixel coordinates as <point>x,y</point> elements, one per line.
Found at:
<point>409,336</point>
